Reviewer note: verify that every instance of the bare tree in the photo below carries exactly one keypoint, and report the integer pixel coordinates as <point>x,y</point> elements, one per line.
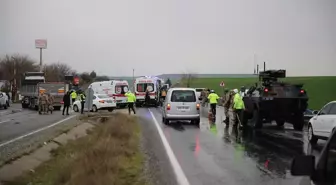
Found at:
<point>56,72</point>
<point>188,78</point>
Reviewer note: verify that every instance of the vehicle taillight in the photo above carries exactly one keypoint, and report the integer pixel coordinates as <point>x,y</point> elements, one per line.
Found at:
<point>101,101</point>
<point>168,106</point>
<point>62,102</point>
<point>198,106</point>
<point>302,91</point>
<point>265,90</point>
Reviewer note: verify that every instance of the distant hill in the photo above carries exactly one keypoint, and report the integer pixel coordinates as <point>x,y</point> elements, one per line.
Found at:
<point>179,76</point>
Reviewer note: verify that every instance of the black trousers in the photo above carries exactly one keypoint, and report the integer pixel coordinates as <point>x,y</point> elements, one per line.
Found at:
<point>73,100</point>
<point>82,107</point>
<point>240,116</point>
<point>67,109</point>
<point>213,108</point>
<point>131,106</point>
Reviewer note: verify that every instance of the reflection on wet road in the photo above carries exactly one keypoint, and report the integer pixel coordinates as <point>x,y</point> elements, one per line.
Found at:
<point>231,156</point>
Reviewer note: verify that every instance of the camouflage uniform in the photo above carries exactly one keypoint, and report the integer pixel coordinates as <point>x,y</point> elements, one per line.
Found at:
<point>226,104</point>
<point>205,99</point>
<point>232,113</point>
<point>203,96</point>
<point>42,103</point>
<point>50,103</point>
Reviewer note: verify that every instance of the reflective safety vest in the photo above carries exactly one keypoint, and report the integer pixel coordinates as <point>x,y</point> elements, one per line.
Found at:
<point>213,97</point>
<point>73,95</point>
<point>130,97</point>
<point>82,97</point>
<point>238,102</point>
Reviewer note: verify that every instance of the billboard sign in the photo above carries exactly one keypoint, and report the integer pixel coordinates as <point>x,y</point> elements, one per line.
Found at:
<point>41,43</point>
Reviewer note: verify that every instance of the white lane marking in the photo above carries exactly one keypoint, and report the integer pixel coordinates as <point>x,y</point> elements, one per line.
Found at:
<point>36,131</point>
<point>181,177</point>
<point>7,120</point>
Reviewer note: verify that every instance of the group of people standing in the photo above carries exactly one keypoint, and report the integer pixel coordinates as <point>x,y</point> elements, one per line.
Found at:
<point>232,101</point>
<point>46,101</point>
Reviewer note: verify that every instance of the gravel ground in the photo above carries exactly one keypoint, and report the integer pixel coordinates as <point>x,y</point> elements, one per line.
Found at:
<point>158,167</point>
<point>28,144</point>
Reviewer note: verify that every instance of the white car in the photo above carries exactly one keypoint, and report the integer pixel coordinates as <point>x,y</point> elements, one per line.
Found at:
<point>4,102</point>
<point>100,102</point>
<point>323,123</point>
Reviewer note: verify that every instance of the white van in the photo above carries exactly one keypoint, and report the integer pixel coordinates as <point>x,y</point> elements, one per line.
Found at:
<point>113,88</point>
<point>153,84</point>
<point>181,104</point>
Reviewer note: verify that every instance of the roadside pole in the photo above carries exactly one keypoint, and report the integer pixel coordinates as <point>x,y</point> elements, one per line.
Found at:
<point>222,84</point>
<point>41,44</point>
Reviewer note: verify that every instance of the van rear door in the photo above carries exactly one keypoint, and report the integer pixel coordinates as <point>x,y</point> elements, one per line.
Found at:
<point>183,102</point>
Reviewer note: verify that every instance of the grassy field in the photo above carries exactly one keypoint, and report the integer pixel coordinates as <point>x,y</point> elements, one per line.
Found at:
<point>320,89</point>
<point>110,154</point>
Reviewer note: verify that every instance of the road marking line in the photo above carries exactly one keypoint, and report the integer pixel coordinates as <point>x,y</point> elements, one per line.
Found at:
<point>7,120</point>
<point>180,176</point>
<point>36,131</point>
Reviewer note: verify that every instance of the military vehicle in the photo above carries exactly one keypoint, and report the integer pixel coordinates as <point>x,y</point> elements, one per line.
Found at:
<point>271,100</point>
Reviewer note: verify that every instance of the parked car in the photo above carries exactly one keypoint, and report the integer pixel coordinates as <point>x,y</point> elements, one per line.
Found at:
<point>4,102</point>
<point>100,102</point>
<point>321,125</point>
<point>181,104</point>
<point>320,173</point>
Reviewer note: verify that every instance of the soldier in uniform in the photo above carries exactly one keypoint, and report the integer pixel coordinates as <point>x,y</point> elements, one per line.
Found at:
<point>207,92</point>
<point>50,103</point>
<point>226,99</point>
<point>203,97</point>
<point>45,103</point>
<point>40,99</point>
<point>232,113</point>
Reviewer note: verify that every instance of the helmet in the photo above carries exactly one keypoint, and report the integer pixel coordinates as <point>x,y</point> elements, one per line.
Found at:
<point>212,91</point>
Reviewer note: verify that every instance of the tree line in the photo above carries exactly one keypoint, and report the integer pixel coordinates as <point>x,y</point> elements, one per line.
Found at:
<point>12,68</point>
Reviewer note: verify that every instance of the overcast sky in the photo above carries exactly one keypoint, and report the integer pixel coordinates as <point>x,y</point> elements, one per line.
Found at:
<point>174,36</point>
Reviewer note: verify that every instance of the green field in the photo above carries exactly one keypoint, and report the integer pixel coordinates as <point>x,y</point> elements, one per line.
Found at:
<point>320,89</point>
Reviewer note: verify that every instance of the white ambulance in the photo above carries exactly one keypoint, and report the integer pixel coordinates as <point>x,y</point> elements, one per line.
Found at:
<point>153,84</point>
<point>113,88</point>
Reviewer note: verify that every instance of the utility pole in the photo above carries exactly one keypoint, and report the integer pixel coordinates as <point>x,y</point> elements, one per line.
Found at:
<point>41,60</point>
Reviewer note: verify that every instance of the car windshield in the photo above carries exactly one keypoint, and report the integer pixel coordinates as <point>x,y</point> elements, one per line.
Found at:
<point>183,96</point>
<point>103,96</point>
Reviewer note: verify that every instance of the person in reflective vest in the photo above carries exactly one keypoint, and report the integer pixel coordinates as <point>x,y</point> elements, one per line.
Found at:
<point>213,100</point>
<point>73,96</point>
<point>82,99</point>
<point>130,101</point>
<point>238,106</point>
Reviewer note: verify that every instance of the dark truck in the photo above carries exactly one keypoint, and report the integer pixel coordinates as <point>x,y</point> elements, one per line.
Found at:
<point>271,100</point>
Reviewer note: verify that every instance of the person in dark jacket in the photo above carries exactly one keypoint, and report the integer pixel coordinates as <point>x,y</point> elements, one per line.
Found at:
<point>66,101</point>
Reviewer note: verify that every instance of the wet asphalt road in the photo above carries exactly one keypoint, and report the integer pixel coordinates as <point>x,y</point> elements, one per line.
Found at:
<point>233,157</point>
<point>15,122</point>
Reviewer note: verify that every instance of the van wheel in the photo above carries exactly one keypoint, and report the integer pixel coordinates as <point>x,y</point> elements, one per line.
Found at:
<point>110,109</point>
<point>166,121</point>
<point>75,108</point>
<point>5,106</point>
<point>94,108</point>
<point>196,122</point>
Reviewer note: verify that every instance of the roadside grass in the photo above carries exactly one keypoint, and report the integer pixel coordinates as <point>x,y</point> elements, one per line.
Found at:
<point>320,89</point>
<point>109,154</point>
